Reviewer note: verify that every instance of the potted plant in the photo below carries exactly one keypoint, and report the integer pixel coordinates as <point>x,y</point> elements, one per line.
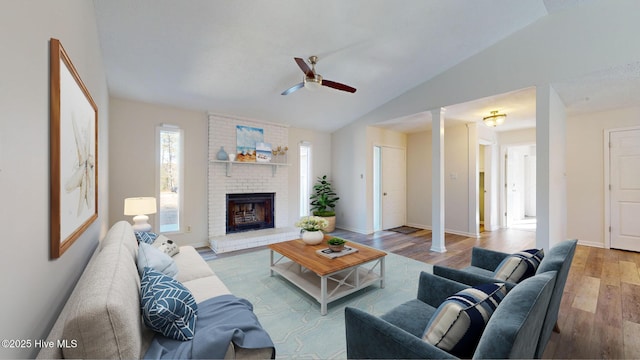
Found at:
<point>311,229</point>
<point>336,244</point>
<point>323,202</point>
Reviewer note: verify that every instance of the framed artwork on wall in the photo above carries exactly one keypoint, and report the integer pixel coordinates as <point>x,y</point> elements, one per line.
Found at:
<point>73,153</point>
<point>246,139</point>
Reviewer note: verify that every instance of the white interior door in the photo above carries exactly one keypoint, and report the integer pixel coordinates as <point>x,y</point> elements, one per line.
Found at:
<point>624,175</point>
<point>394,187</point>
<point>513,185</point>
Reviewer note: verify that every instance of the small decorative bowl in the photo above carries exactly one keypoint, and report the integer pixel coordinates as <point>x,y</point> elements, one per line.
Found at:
<point>336,248</point>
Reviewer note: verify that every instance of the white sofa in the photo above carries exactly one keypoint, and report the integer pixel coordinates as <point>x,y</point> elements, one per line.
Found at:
<point>101,318</point>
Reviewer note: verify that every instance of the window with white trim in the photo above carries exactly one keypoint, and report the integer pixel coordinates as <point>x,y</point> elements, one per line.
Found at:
<point>305,177</point>
<point>170,178</point>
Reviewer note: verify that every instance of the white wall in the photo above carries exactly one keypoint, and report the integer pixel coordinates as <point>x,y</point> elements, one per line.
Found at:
<point>132,134</point>
<point>350,177</point>
<point>585,167</point>
<point>34,288</point>
<point>550,168</point>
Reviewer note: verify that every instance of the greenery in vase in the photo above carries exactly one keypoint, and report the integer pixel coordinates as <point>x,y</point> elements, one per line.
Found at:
<point>336,241</point>
<point>323,201</point>
<point>312,223</point>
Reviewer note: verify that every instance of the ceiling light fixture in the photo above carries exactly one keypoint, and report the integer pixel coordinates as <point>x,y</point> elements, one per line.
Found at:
<point>494,119</point>
<point>313,83</point>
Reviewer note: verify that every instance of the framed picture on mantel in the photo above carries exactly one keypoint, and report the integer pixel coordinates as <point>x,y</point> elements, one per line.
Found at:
<point>246,139</point>
<point>73,153</point>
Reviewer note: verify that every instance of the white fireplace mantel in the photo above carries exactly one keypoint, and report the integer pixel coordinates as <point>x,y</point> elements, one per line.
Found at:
<point>230,164</point>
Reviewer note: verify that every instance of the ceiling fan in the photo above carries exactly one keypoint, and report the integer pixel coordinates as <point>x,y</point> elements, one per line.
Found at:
<point>313,80</point>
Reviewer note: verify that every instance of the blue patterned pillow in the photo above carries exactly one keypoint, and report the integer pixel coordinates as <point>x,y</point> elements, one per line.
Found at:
<point>145,237</point>
<point>519,266</point>
<point>167,306</point>
<point>459,321</point>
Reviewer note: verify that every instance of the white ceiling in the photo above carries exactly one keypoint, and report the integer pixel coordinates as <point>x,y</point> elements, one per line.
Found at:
<point>235,57</point>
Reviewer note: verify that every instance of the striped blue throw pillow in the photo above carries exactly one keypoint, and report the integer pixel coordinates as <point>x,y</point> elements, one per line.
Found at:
<point>459,321</point>
<point>167,306</point>
<point>519,266</point>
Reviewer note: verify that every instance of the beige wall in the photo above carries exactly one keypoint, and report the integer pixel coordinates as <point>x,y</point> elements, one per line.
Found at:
<point>585,171</point>
<point>34,288</point>
<point>456,178</point>
<point>419,163</point>
<point>132,134</point>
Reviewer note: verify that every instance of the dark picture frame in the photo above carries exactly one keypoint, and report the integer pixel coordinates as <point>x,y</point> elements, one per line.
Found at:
<point>73,153</point>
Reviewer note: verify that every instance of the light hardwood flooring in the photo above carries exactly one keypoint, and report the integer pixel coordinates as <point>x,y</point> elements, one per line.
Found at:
<point>600,311</point>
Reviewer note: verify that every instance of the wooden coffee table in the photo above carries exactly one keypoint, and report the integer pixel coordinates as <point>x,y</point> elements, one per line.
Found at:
<point>327,279</point>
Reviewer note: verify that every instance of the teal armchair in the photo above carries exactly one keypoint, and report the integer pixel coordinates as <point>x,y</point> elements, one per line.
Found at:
<point>484,262</point>
<point>512,330</point>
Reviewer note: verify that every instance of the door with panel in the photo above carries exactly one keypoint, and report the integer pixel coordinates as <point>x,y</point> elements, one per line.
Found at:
<point>624,175</point>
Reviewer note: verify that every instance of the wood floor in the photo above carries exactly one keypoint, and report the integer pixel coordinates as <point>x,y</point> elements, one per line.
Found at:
<point>600,310</point>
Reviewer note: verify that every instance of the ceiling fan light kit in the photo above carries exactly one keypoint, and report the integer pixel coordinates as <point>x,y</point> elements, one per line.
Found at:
<point>494,119</point>
<point>313,83</point>
<point>312,80</point>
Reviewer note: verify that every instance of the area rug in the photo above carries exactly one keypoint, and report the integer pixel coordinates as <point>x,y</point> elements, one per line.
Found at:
<point>292,318</point>
<point>404,229</point>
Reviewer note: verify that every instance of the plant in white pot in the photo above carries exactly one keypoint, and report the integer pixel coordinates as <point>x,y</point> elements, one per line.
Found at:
<point>323,202</point>
<point>311,229</point>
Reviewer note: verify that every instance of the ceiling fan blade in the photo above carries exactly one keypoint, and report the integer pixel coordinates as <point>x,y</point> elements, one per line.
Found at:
<point>304,67</point>
<point>339,86</point>
<point>292,89</point>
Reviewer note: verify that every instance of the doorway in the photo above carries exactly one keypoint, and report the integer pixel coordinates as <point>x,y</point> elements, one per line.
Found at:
<point>520,187</point>
<point>389,187</point>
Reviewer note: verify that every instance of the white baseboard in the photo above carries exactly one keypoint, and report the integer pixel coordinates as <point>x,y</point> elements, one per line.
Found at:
<point>448,231</point>
<point>592,244</point>
<point>355,230</point>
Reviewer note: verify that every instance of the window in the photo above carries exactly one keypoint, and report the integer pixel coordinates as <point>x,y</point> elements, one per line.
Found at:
<point>305,177</point>
<point>170,178</point>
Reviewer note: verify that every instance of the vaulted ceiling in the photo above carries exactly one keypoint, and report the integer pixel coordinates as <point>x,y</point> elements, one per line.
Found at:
<point>236,57</point>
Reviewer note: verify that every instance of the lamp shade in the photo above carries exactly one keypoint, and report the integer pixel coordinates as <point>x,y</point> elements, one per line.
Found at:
<point>139,206</point>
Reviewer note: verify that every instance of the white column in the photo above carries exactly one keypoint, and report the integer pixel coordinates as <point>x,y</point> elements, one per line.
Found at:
<point>473,210</point>
<point>551,194</point>
<point>437,183</point>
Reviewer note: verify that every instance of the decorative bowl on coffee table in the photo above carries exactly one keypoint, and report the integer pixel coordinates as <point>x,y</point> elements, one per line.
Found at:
<point>336,244</point>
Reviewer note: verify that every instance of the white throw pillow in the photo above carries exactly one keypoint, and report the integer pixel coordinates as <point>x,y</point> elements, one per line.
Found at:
<point>149,256</point>
<point>169,247</point>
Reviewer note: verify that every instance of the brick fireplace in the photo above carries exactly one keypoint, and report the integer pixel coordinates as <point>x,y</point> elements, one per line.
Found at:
<point>246,178</point>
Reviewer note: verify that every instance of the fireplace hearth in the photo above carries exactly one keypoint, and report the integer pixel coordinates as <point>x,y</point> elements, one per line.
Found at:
<point>250,211</point>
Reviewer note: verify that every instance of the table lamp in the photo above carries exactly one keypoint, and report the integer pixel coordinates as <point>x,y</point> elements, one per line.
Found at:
<point>139,208</point>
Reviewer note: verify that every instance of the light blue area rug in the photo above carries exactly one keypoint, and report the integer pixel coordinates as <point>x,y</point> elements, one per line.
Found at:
<point>293,319</point>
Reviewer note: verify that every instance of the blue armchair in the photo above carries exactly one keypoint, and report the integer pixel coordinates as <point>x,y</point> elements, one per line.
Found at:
<point>512,330</point>
<point>484,262</point>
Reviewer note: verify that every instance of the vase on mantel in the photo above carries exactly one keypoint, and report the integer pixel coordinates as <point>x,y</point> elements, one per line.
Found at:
<point>222,155</point>
<point>312,237</point>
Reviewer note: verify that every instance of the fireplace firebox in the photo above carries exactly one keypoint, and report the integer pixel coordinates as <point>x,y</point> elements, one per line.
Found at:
<point>250,211</point>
